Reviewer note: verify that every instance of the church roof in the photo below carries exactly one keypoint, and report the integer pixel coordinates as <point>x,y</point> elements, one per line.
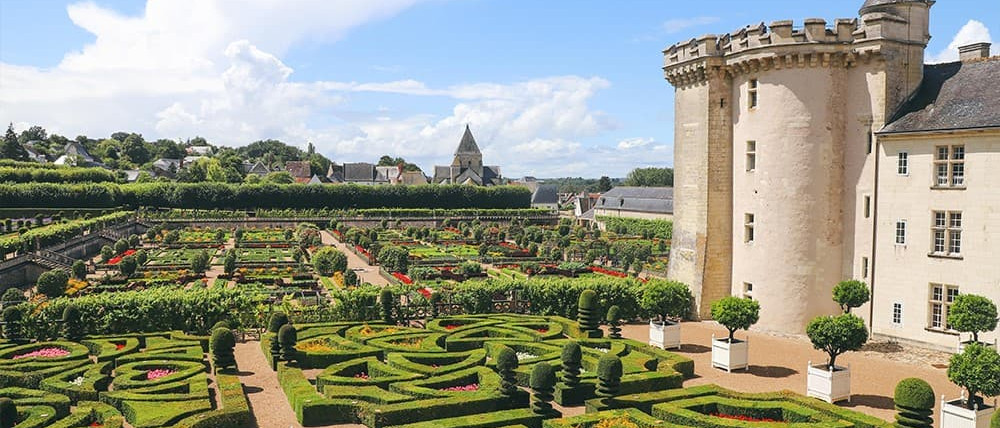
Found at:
<point>952,96</point>
<point>468,144</point>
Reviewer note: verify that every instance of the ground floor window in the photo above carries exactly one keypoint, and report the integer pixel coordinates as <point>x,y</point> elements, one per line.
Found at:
<point>897,314</point>
<point>940,300</point>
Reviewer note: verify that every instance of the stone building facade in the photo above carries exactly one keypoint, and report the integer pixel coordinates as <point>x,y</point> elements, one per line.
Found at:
<point>781,139</point>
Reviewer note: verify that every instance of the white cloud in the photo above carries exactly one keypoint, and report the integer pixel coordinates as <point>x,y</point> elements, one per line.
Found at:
<point>632,143</point>
<point>972,32</point>
<point>677,25</point>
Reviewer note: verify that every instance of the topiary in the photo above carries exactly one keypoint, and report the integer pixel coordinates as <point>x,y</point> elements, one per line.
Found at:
<point>12,296</point>
<point>977,369</point>
<point>12,318</point>
<point>287,336</point>
<point>222,324</point>
<point>506,364</point>
<point>8,413</point>
<point>995,422</point>
<point>542,382</point>
<point>587,315</point>
<point>571,358</point>
<point>837,335</point>
<point>387,300</point>
<point>851,294</point>
<point>278,319</point>
<point>970,313</point>
<point>79,270</point>
<point>735,313</point>
<point>914,400</point>
<point>666,300</point>
<point>614,316</point>
<point>609,376</point>
<point>73,328</point>
<point>53,283</point>
<point>222,344</point>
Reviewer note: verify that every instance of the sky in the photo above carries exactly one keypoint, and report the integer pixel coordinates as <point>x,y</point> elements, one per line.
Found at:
<point>550,88</point>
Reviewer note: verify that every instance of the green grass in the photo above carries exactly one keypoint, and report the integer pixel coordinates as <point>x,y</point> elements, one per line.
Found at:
<point>263,255</point>
<point>174,257</point>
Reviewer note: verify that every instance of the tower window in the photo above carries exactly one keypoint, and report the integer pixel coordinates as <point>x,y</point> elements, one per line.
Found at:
<point>871,141</point>
<point>864,267</point>
<point>868,206</point>
<point>748,227</point>
<point>751,156</point>
<point>752,93</point>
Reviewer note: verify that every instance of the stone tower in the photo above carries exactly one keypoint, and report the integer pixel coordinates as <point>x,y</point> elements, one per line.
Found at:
<point>467,155</point>
<point>773,141</point>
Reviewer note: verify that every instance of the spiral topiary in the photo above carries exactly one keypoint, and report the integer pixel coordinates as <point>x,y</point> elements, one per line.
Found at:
<point>613,318</point>
<point>12,318</point>
<point>506,364</point>
<point>609,376</point>
<point>586,314</point>
<point>542,382</point>
<point>73,328</point>
<point>434,301</point>
<point>914,400</point>
<point>287,336</point>
<point>8,413</point>
<point>571,358</point>
<point>386,299</point>
<point>277,320</point>
<point>222,344</point>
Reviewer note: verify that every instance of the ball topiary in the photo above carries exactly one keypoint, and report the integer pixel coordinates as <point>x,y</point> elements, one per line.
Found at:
<point>12,318</point>
<point>542,382</point>
<point>73,327</point>
<point>613,318</point>
<point>387,300</point>
<point>914,400</point>
<point>506,364</point>
<point>222,324</point>
<point>609,376</point>
<point>8,413</point>
<point>587,315</point>
<point>222,344</point>
<point>571,358</point>
<point>278,319</point>
<point>287,336</point>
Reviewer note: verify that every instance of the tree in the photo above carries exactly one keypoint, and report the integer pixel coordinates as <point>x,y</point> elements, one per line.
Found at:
<point>287,337</point>
<point>837,335</point>
<point>201,261</point>
<point>851,294</point>
<point>222,344</point>
<point>277,320</point>
<point>735,313</point>
<point>229,263</point>
<point>650,177</point>
<point>328,260</point>
<point>914,399</point>
<point>388,301</point>
<point>12,320</point>
<point>79,270</point>
<point>11,148</point>
<point>970,313</point>
<point>107,253</point>
<point>12,295</point>
<point>53,283</point>
<point>34,133</point>
<point>8,413</point>
<point>128,265</point>
<point>613,319</point>
<point>279,177</point>
<point>121,246</point>
<point>350,278</point>
<point>72,324</point>
<point>977,369</point>
<point>394,258</point>
<point>604,184</point>
<point>666,299</point>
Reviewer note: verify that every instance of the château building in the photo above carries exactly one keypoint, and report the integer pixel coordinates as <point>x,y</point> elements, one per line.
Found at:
<point>810,155</point>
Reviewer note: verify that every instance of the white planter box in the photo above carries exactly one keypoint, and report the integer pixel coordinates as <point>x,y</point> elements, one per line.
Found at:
<point>665,336</point>
<point>962,345</point>
<point>827,385</point>
<point>954,414</point>
<point>730,356</point>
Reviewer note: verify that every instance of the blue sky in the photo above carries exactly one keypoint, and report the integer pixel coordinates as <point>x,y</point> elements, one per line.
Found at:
<point>550,88</point>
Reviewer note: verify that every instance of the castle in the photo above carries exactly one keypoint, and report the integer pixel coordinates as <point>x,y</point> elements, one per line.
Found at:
<point>807,156</point>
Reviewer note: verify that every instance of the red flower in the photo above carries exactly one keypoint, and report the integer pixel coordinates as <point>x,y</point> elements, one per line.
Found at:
<point>426,292</point>
<point>406,280</point>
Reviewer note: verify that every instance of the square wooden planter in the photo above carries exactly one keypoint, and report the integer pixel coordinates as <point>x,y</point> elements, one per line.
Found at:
<point>730,356</point>
<point>665,335</point>
<point>829,385</point>
<point>954,414</point>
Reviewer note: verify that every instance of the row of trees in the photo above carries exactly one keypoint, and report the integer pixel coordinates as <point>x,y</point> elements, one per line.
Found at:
<point>55,175</point>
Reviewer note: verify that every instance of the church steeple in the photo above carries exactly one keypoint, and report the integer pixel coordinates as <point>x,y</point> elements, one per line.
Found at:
<point>467,155</point>
<point>468,144</point>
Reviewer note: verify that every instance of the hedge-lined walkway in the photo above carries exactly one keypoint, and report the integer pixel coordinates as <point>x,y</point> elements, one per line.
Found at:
<point>369,273</point>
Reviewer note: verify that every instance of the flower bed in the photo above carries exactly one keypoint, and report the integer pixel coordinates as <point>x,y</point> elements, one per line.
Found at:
<point>463,388</point>
<point>402,277</point>
<point>43,353</point>
<point>745,418</point>
<point>598,269</point>
<point>117,259</point>
<point>159,373</point>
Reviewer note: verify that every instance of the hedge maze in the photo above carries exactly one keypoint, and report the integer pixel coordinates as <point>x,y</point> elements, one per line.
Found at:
<point>148,380</point>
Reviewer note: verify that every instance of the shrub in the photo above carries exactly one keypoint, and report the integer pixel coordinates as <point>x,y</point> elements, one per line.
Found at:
<point>222,344</point>
<point>127,266</point>
<point>222,324</point>
<point>970,313</point>
<point>8,413</point>
<point>107,253</point>
<point>278,319</point>
<point>470,269</point>
<point>12,319</point>
<point>836,335</point>
<point>587,315</point>
<point>572,355</point>
<point>542,382</point>
<point>609,376</point>
<point>73,328</point>
<point>53,283</point>
<point>394,259</point>
<point>79,270</point>
<point>287,337</point>
<point>201,261</point>
<point>667,299</point>
<point>995,422</point>
<point>328,260</point>
<point>851,294</point>
<point>735,313</point>
<point>350,278</point>
<point>613,318</point>
<point>141,257</point>
<point>121,246</point>
<point>506,365</point>
<point>388,302</point>
<point>12,295</point>
<point>977,369</point>
<point>914,400</point>
<point>229,263</point>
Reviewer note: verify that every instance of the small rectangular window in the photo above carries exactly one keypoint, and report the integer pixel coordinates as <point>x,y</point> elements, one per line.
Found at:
<point>748,227</point>
<point>897,313</point>
<point>868,206</point>
<point>864,267</point>
<point>871,141</point>
<point>752,93</point>
<point>903,163</point>
<point>941,298</point>
<point>901,232</point>
<point>751,156</point>
<point>748,290</point>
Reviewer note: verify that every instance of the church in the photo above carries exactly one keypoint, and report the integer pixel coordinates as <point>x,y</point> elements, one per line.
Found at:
<point>467,167</point>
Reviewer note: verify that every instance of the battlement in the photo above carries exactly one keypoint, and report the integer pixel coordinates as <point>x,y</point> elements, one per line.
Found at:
<point>779,33</point>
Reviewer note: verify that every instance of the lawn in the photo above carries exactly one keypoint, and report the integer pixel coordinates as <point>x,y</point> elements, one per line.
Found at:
<point>174,257</point>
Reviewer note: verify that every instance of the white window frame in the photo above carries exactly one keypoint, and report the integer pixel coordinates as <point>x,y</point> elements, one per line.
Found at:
<point>900,236</point>
<point>940,299</point>
<point>748,290</point>
<point>903,163</point>
<point>753,99</point>
<point>949,166</point>
<point>751,157</point>
<point>946,233</point>
<point>749,224</point>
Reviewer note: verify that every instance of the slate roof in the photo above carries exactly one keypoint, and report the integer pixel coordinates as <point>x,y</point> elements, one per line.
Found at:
<point>165,163</point>
<point>643,199</point>
<point>468,144</point>
<point>545,194</point>
<point>413,177</point>
<point>359,172</point>
<point>957,95</point>
<point>299,169</point>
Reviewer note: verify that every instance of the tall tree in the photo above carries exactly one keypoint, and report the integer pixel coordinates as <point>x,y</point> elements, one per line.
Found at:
<point>604,184</point>
<point>650,177</point>
<point>11,148</point>
<point>34,133</point>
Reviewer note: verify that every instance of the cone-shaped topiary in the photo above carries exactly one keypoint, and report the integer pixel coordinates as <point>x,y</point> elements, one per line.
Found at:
<point>571,358</point>
<point>614,316</point>
<point>542,382</point>
<point>587,315</point>
<point>73,328</point>
<point>8,413</point>
<point>506,364</point>
<point>287,336</point>
<point>387,300</point>
<point>278,319</point>
<point>609,376</point>
<point>914,400</point>
<point>222,344</point>
<point>12,323</point>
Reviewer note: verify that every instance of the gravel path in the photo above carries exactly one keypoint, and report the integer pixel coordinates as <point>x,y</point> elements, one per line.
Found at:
<point>366,272</point>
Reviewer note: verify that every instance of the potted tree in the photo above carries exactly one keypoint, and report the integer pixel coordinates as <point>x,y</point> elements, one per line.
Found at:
<point>851,294</point>
<point>734,313</point>
<point>977,371</point>
<point>835,336</point>
<point>670,301</point>
<point>974,314</point>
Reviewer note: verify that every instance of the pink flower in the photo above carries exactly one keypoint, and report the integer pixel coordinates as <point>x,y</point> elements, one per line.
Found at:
<point>466,388</point>
<point>158,373</point>
<point>44,353</point>
<point>362,375</point>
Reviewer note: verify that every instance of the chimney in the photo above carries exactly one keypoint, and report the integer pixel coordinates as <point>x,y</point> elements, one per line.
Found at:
<point>974,51</point>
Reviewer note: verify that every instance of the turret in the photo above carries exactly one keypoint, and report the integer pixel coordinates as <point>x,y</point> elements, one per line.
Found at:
<point>900,30</point>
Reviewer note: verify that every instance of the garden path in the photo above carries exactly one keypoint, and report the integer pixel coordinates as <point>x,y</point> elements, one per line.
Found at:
<point>367,273</point>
